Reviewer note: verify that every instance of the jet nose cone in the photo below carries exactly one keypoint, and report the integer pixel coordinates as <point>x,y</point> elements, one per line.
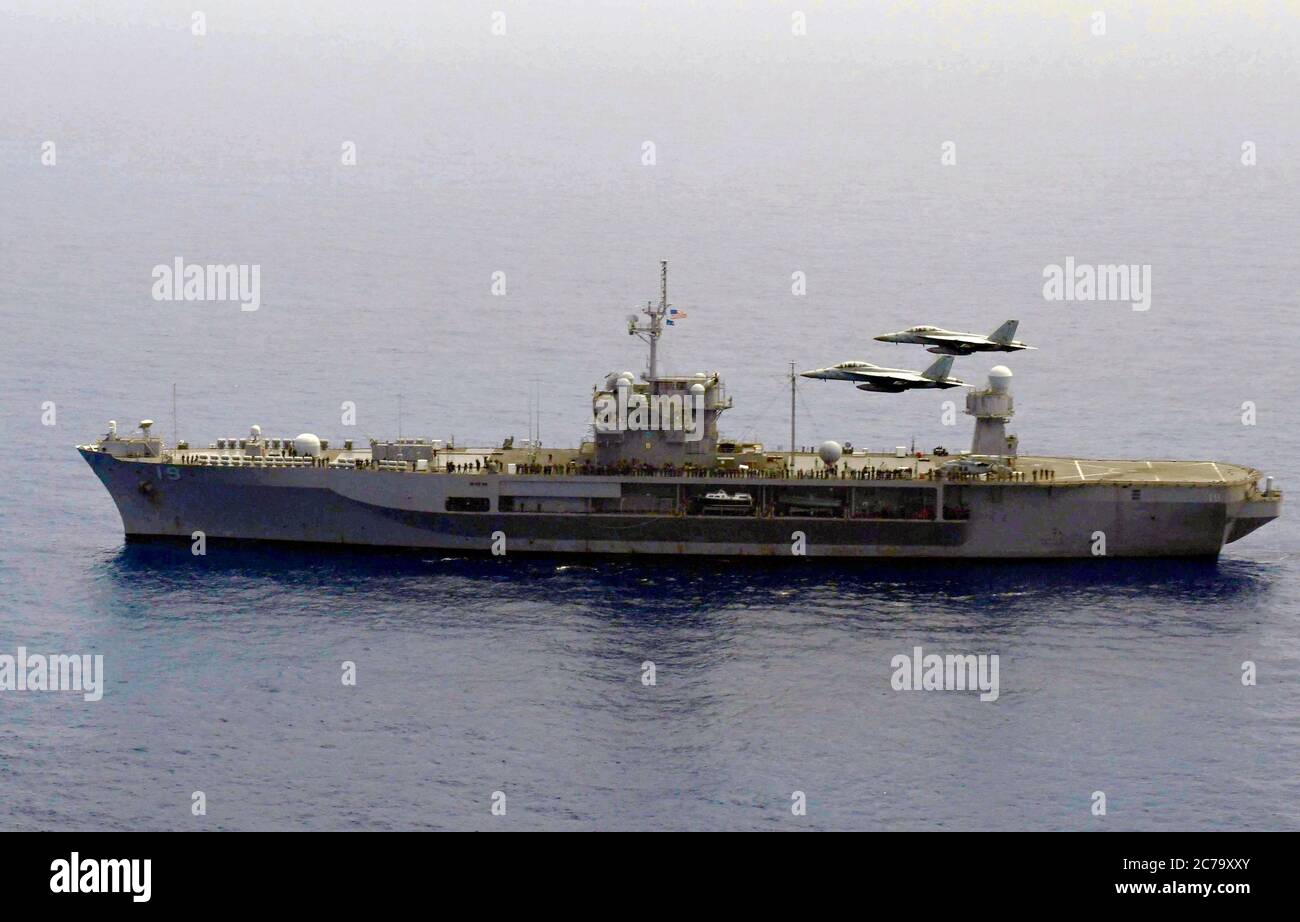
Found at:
<point>810,374</point>
<point>883,339</point>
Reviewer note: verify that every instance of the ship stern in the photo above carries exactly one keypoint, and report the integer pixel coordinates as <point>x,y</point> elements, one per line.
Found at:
<point>1255,511</point>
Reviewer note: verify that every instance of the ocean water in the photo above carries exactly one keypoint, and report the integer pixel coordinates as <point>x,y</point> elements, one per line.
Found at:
<point>223,672</point>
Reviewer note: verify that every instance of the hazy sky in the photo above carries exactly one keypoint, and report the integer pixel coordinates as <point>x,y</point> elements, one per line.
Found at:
<point>115,74</point>
<point>522,152</point>
<point>672,32</point>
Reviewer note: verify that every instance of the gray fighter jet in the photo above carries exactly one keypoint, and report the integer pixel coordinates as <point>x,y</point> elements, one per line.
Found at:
<point>888,380</point>
<point>948,342</point>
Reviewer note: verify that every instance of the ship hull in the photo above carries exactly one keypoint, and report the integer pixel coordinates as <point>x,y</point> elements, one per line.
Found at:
<point>401,510</point>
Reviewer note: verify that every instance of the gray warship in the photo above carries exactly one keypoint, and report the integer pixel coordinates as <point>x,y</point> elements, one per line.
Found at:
<point>656,477</point>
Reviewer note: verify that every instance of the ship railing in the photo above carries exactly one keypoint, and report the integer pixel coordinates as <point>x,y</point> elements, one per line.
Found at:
<point>869,473</point>
<point>207,459</point>
<point>841,474</point>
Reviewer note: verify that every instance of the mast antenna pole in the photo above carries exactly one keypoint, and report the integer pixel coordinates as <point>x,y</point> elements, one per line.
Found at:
<point>657,319</point>
<point>399,416</point>
<point>792,384</point>
<point>653,328</point>
<point>175,439</point>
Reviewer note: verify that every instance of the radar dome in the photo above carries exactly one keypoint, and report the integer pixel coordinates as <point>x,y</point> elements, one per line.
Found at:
<point>830,452</point>
<point>697,388</point>
<point>1000,378</point>
<point>255,432</point>
<point>307,444</point>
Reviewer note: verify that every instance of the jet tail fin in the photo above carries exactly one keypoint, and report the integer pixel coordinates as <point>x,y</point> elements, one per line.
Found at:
<point>1005,333</point>
<point>939,370</point>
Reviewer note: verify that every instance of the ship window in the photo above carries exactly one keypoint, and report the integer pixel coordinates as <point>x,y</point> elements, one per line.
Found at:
<point>1136,494</point>
<point>468,503</point>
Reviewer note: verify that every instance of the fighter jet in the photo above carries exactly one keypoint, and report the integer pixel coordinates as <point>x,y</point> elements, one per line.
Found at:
<point>947,342</point>
<point>888,380</point>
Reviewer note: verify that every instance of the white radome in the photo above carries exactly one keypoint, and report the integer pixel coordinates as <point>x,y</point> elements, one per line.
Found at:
<point>830,452</point>
<point>697,388</point>
<point>255,432</point>
<point>307,444</point>
<point>1000,378</point>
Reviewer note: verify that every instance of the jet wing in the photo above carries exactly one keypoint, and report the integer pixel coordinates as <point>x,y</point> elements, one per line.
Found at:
<point>968,338</point>
<point>890,378</point>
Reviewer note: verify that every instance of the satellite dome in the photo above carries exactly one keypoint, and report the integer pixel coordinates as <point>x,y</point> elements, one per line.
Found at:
<point>830,452</point>
<point>1000,378</point>
<point>255,432</point>
<point>146,423</point>
<point>307,444</point>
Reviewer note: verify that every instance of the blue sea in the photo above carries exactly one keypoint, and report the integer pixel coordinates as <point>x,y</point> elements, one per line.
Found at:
<point>520,681</point>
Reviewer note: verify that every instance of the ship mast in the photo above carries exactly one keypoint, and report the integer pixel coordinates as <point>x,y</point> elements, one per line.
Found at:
<point>663,310</point>
<point>653,328</point>
<point>793,379</point>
